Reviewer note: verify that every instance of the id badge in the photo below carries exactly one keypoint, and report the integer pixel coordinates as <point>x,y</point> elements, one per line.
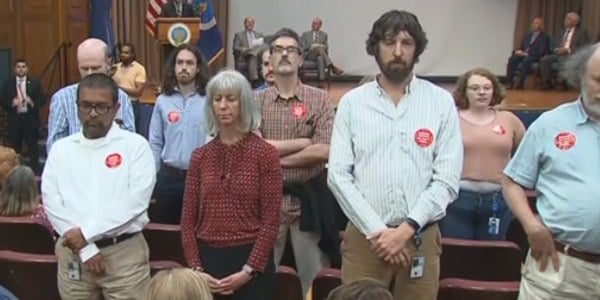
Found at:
<point>73,270</point>
<point>494,226</point>
<point>417,267</point>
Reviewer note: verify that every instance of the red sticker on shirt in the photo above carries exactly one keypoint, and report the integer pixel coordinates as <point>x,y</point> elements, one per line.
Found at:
<point>173,117</point>
<point>499,130</point>
<point>423,137</point>
<point>113,160</point>
<point>564,140</point>
<point>299,110</point>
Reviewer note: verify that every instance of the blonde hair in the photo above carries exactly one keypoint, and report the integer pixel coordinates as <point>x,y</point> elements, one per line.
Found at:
<point>364,289</point>
<point>179,284</point>
<point>9,159</point>
<point>19,196</point>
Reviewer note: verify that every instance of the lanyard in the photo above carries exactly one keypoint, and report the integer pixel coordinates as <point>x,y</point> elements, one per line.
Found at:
<point>495,205</point>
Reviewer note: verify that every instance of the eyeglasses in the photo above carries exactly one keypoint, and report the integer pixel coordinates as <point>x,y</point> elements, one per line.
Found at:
<point>289,49</point>
<point>87,108</point>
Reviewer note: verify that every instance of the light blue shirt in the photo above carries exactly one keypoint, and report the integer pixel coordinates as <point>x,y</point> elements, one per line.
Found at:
<point>566,180</point>
<point>177,128</point>
<point>389,162</point>
<point>63,120</point>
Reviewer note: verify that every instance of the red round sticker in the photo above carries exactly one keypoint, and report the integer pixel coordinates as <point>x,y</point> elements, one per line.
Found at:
<point>499,130</point>
<point>113,160</point>
<point>298,110</point>
<point>564,140</point>
<point>173,117</point>
<point>423,137</point>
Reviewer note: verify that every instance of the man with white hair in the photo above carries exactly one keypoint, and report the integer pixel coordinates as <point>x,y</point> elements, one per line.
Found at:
<point>93,56</point>
<point>559,157</point>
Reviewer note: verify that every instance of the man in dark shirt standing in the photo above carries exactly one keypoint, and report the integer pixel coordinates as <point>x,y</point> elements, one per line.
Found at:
<point>177,9</point>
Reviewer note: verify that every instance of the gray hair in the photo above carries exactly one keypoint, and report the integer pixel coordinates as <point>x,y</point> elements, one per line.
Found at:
<point>575,67</point>
<point>229,81</point>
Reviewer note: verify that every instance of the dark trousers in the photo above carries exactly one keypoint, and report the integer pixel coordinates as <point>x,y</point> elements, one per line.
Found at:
<point>468,216</point>
<point>546,66</point>
<point>23,128</point>
<point>222,262</point>
<point>512,66</point>
<point>168,193</point>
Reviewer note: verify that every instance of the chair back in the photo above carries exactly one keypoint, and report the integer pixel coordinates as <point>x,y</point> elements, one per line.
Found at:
<point>288,284</point>
<point>29,276</point>
<point>325,281</point>
<point>462,289</point>
<point>25,234</point>
<point>480,260</point>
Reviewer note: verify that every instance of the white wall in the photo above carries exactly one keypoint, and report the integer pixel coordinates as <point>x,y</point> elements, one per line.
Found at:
<point>462,33</point>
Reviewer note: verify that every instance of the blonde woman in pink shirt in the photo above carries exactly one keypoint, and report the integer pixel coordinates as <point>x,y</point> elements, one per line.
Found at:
<point>489,138</point>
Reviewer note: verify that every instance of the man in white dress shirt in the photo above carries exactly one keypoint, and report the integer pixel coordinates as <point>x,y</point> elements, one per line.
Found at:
<point>394,165</point>
<point>96,188</point>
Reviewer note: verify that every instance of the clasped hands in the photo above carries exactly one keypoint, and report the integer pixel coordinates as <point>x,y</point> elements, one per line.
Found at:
<point>74,240</point>
<point>390,244</point>
<point>227,285</point>
<point>18,102</point>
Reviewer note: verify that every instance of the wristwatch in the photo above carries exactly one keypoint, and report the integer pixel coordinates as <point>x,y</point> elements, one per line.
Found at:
<point>248,269</point>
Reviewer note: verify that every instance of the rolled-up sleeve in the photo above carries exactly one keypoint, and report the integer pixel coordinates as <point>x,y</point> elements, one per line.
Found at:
<point>523,168</point>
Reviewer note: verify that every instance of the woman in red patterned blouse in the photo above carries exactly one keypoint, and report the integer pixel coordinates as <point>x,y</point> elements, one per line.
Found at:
<point>232,200</point>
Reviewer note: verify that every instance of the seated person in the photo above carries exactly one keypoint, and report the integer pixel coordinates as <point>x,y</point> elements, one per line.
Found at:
<point>20,197</point>
<point>9,159</point>
<point>315,46</point>
<point>177,9</point>
<point>533,45</point>
<point>179,284</point>
<point>566,42</point>
<point>364,289</point>
<point>246,46</point>
<point>266,70</point>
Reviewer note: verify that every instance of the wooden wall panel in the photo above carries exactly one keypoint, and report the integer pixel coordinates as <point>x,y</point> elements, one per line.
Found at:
<point>7,24</point>
<point>77,30</point>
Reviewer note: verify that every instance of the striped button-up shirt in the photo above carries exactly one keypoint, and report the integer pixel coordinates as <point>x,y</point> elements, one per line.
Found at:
<point>63,120</point>
<point>308,115</point>
<point>389,162</point>
<point>177,128</point>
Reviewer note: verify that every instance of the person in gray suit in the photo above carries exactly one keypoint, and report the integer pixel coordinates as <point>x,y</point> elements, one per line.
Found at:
<point>315,47</point>
<point>246,46</point>
<point>566,42</point>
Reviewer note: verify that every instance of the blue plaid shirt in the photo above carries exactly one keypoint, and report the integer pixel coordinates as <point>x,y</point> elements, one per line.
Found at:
<point>63,121</point>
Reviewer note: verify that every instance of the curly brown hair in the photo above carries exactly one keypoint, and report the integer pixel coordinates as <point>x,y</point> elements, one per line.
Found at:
<point>460,93</point>
<point>9,159</point>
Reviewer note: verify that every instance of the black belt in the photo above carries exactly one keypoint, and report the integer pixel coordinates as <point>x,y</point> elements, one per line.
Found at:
<point>114,240</point>
<point>174,171</point>
<point>585,256</point>
<point>420,230</point>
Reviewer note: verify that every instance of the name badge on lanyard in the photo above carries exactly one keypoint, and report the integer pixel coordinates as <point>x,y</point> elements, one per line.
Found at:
<point>494,221</point>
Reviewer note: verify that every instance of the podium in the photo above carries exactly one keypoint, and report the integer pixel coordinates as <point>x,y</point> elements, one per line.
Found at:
<point>170,32</point>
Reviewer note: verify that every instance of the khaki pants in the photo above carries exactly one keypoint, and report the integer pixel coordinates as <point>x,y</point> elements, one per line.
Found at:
<point>309,257</point>
<point>359,261</point>
<point>127,272</point>
<point>576,279</point>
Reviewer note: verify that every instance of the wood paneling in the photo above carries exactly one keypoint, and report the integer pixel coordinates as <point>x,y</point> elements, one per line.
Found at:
<point>7,24</point>
<point>77,20</point>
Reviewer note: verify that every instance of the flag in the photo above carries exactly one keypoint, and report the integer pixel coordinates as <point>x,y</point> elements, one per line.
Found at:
<point>152,12</point>
<point>211,41</point>
<point>100,22</point>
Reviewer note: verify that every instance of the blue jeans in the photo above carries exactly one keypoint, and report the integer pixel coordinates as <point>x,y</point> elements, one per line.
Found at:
<point>468,217</point>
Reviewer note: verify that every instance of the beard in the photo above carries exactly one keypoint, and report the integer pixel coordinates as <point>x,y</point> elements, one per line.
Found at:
<point>591,103</point>
<point>395,71</point>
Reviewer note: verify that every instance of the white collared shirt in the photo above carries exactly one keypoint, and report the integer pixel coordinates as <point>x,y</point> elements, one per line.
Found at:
<point>102,186</point>
<point>389,162</point>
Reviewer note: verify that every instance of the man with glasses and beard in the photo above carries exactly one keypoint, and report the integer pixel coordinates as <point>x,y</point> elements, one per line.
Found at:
<point>96,188</point>
<point>93,56</point>
<point>177,127</point>
<point>130,76</point>
<point>297,120</point>
<point>559,157</point>
<point>394,165</point>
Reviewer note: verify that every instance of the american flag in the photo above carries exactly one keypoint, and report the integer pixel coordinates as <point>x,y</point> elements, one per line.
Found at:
<point>152,12</point>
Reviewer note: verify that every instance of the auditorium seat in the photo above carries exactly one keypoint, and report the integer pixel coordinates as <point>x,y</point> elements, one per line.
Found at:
<point>309,71</point>
<point>480,260</point>
<point>288,284</point>
<point>164,242</point>
<point>29,276</point>
<point>463,289</point>
<point>25,235</point>
<point>325,281</point>
<point>157,266</point>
